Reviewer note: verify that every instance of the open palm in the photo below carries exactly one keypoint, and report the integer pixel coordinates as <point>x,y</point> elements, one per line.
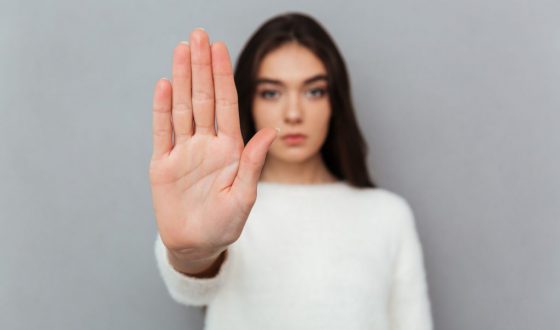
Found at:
<point>203,179</point>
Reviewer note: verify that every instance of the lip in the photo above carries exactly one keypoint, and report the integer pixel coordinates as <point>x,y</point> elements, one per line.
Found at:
<point>293,139</point>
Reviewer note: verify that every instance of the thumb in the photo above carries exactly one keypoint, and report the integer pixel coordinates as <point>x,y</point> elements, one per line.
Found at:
<point>252,161</point>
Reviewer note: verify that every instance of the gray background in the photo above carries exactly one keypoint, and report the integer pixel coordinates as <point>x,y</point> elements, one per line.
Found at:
<point>459,101</point>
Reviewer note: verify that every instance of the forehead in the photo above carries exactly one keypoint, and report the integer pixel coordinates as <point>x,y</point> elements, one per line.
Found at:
<point>291,63</point>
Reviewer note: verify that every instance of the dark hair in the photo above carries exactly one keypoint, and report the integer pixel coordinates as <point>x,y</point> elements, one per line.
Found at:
<point>344,149</point>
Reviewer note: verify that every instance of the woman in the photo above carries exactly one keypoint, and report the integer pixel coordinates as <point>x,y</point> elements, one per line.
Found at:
<point>321,247</point>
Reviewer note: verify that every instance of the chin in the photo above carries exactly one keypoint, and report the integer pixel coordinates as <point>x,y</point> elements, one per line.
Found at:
<point>293,155</point>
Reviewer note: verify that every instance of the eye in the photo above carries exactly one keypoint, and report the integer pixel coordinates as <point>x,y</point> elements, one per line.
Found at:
<point>268,94</point>
<point>317,92</point>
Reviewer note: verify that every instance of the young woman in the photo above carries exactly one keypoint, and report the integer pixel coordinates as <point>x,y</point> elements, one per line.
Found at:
<point>277,230</point>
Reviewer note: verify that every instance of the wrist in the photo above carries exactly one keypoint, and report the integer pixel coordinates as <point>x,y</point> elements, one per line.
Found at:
<point>202,264</point>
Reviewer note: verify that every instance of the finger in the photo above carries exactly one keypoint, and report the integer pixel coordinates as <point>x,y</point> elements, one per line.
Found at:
<point>227,109</point>
<point>161,122</point>
<point>202,84</point>
<point>182,107</point>
<point>252,162</point>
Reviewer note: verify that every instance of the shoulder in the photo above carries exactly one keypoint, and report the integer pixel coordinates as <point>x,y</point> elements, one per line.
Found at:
<point>393,205</point>
<point>389,199</point>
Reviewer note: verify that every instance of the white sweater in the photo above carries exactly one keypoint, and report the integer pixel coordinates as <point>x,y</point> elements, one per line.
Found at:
<point>315,256</point>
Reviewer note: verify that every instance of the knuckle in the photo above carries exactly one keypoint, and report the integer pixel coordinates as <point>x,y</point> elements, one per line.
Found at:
<point>224,73</point>
<point>159,108</point>
<point>252,161</point>
<point>182,106</point>
<point>202,95</point>
<point>226,102</point>
<point>161,132</point>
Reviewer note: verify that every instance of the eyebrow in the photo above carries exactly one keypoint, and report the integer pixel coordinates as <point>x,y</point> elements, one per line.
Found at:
<point>278,82</point>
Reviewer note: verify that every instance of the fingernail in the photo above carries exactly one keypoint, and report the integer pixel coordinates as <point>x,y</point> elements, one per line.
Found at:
<point>277,129</point>
<point>199,28</point>
<point>185,42</point>
<point>165,78</point>
<point>161,85</point>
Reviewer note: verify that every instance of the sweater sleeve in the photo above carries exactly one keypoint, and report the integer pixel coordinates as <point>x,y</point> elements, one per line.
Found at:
<point>409,301</point>
<point>185,289</point>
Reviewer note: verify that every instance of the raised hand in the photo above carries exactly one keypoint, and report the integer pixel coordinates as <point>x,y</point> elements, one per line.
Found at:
<point>203,179</point>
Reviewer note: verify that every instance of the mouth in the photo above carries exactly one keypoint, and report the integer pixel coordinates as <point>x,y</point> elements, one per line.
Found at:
<point>294,139</point>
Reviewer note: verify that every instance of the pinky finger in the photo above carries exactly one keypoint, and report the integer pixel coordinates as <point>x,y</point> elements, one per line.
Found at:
<point>161,126</point>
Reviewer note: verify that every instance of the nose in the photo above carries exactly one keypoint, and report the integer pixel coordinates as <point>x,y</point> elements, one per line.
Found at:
<point>293,112</point>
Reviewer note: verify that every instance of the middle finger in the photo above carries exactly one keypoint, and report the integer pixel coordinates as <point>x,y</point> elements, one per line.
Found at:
<point>202,83</point>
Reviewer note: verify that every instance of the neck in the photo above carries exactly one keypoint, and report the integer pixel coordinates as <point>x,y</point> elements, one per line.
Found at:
<point>310,171</point>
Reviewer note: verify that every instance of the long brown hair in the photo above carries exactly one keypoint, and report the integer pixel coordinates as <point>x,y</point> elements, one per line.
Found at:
<point>344,150</point>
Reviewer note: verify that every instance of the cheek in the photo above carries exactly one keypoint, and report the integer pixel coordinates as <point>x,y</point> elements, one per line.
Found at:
<point>321,118</point>
<point>264,114</point>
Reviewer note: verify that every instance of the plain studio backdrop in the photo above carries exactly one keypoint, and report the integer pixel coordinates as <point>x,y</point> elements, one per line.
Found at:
<point>459,102</point>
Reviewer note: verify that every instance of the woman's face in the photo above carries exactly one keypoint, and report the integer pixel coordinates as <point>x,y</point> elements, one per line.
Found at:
<point>291,94</point>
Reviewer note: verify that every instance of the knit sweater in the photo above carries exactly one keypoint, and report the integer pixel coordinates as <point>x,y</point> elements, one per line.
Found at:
<point>315,256</point>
